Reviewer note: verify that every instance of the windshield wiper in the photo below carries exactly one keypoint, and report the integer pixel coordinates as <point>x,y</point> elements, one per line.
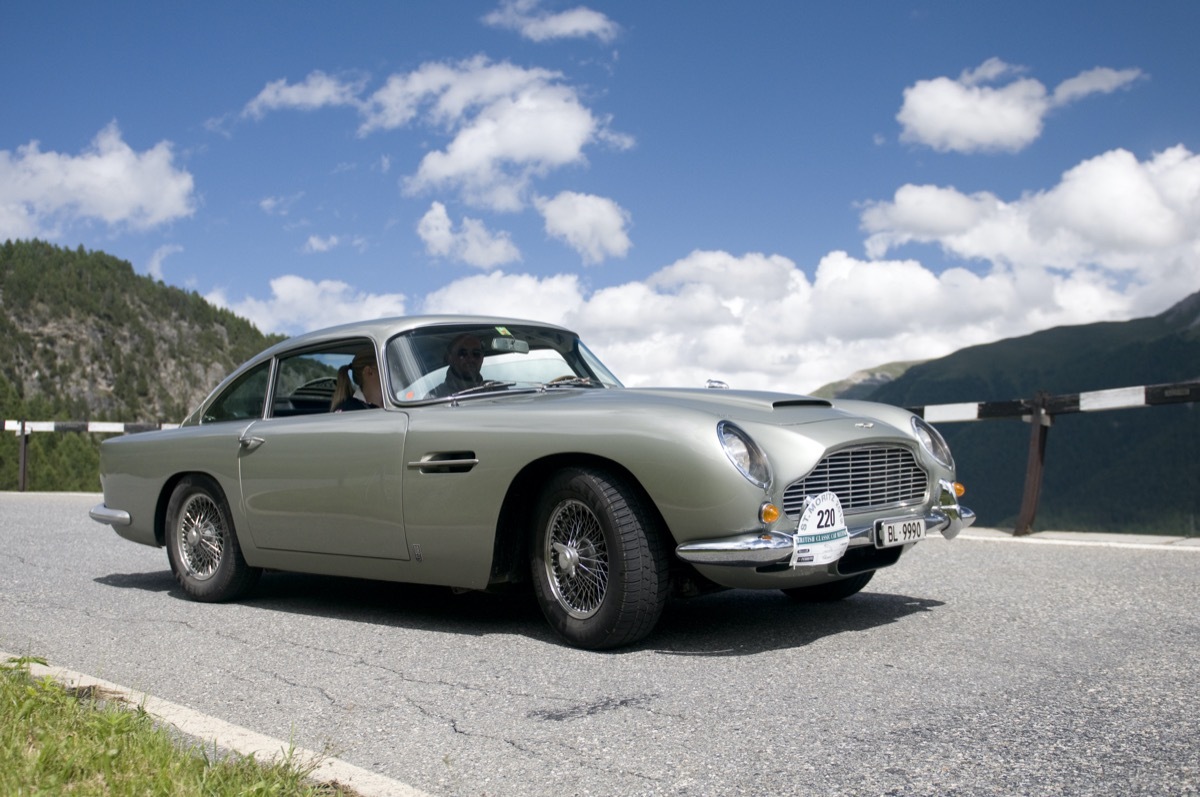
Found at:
<point>570,381</point>
<point>491,384</point>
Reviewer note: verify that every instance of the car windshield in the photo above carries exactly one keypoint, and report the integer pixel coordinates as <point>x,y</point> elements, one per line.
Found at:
<point>460,360</point>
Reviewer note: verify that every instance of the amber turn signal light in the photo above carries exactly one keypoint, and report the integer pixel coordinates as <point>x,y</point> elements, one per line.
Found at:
<point>959,489</point>
<point>769,513</point>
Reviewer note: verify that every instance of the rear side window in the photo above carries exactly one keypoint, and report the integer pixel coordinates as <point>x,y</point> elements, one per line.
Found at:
<point>243,400</point>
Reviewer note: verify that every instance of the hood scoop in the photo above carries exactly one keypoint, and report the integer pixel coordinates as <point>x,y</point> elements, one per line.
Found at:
<point>801,402</point>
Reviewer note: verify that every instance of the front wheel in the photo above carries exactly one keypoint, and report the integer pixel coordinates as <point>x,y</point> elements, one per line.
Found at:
<point>202,545</point>
<point>599,568</point>
<point>831,591</point>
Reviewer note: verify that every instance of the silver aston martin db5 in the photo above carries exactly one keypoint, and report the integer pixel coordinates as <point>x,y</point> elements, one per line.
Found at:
<point>481,453</point>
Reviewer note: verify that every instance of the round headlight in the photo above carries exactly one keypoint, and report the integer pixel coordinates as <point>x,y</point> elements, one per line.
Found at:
<point>745,454</point>
<point>932,441</point>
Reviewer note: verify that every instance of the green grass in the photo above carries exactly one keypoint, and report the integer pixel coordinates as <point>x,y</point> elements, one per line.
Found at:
<point>58,741</point>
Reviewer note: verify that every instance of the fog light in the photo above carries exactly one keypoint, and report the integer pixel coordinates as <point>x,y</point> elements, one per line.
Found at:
<point>769,513</point>
<point>959,489</point>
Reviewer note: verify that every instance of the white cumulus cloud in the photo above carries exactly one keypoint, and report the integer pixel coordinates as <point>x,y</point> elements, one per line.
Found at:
<point>318,90</point>
<point>507,125</point>
<point>551,299</point>
<point>298,304</point>
<point>504,126</point>
<point>41,192</point>
<point>472,243</point>
<point>316,244</point>
<point>525,18</point>
<point>758,321</point>
<point>155,267</point>
<point>593,226</point>
<point>1112,217</point>
<point>970,114</point>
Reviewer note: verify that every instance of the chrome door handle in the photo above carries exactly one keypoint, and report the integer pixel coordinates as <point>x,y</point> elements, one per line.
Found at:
<point>250,443</point>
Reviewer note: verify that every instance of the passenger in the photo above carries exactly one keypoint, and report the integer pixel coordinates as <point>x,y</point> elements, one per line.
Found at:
<point>464,358</point>
<point>365,374</point>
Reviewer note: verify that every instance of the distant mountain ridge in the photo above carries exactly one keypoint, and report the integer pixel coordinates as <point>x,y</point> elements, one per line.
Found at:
<point>861,384</point>
<point>1120,470</point>
<point>1161,348</point>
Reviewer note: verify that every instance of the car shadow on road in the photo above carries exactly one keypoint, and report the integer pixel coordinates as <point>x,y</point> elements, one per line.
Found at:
<point>746,622</point>
<point>157,581</point>
<point>728,623</point>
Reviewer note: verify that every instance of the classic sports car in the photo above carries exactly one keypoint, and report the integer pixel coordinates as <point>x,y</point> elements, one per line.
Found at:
<point>503,452</point>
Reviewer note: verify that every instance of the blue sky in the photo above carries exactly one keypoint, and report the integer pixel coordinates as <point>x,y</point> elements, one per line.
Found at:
<point>775,194</point>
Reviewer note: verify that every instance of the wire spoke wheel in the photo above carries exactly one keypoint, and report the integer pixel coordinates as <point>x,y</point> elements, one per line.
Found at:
<point>576,559</point>
<point>599,566</point>
<point>202,543</point>
<point>202,534</point>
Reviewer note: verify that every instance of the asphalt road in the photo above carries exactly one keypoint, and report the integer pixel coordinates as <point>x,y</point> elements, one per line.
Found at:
<point>974,667</point>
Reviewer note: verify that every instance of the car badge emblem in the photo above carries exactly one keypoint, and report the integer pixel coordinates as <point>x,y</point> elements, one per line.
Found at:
<point>865,425</point>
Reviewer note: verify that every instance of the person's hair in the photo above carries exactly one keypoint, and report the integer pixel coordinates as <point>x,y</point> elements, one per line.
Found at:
<point>344,389</point>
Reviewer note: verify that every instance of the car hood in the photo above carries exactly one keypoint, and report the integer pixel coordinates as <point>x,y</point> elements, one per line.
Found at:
<point>778,409</point>
<point>740,402</point>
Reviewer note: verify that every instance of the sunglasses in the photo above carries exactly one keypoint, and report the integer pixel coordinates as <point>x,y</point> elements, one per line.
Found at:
<point>470,352</point>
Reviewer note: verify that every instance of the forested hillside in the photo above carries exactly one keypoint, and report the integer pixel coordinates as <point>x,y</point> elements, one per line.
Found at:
<point>85,338</point>
<point>1119,470</point>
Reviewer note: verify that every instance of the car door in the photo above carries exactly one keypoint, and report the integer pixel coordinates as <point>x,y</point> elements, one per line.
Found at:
<point>327,483</point>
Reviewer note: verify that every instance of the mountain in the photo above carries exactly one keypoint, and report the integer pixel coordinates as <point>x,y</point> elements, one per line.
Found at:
<point>87,339</point>
<point>1120,470</point>
<point>861,384</point>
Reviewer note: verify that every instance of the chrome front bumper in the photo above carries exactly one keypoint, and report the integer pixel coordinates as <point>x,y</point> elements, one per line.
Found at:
<point>113,517</point>
<point>758,549</point>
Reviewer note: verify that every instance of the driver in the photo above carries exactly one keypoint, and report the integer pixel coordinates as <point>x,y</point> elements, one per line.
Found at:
<point>464,358</point>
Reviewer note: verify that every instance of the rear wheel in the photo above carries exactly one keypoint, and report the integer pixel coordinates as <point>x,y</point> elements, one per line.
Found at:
<point>599,569</point>
<point>831,591</point>
<point>202,545</point>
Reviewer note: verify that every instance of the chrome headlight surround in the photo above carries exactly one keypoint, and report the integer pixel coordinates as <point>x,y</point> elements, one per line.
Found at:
<point>932,441</point>
<point>745,454</point>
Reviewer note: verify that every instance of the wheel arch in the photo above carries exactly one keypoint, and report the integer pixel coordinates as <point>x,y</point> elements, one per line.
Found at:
<point>510,554</point>
<point>164,500</point>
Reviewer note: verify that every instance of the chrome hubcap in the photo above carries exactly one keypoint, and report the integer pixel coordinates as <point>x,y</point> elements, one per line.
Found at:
<point>576,559</point>
<point>202,535</point>
<point>568,559</point>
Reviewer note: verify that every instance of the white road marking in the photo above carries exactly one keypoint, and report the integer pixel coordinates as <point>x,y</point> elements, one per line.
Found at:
<point>1167,544</point>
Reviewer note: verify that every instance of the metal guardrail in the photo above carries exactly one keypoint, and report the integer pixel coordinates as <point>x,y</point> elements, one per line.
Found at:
<point>95,427</point>
<point>1039,411</point>
<point>24,428</point>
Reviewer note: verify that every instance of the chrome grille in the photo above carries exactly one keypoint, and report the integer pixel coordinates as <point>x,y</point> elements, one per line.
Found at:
<point>864,479</point>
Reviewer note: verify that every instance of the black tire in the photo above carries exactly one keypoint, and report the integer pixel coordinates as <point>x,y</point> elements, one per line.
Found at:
<point>599,569</point>
<point>202,544</point>
<point>831,591</point>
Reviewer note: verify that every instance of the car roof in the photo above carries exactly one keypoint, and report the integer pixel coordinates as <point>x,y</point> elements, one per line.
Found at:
<point>381,329</point>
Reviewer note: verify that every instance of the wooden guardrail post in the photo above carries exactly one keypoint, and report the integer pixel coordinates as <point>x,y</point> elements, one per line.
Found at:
<point>1039,422</point>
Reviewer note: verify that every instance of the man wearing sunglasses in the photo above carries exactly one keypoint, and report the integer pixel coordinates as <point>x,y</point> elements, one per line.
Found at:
<point>464,358</point>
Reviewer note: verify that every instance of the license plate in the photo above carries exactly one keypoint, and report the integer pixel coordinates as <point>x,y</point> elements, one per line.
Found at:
<point>890,533</point>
